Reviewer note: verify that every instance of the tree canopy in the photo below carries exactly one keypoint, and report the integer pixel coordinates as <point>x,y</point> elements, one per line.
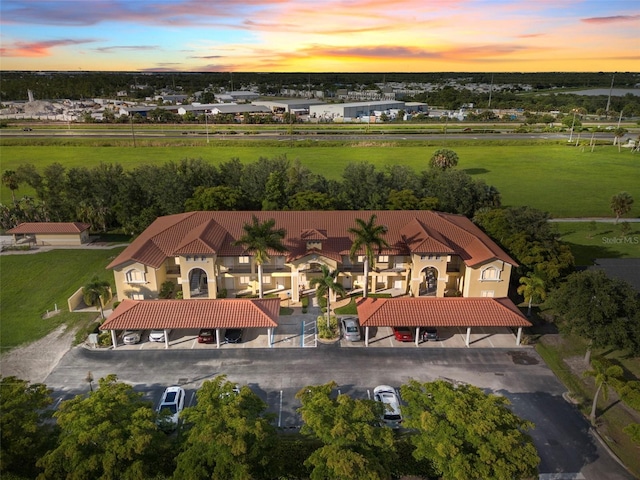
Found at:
<point>467,433</point>
<point>443,159</point>
<point>354,446</point>
<point>228,434</point>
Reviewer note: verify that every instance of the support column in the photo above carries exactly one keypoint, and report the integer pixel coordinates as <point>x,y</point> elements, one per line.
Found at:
<point>417,336</point>
<point>519,336</point>
<point>366,336</point>
<point>114,339</point>
<point>217,338</point>
<point>166,338</point>
<point>270,335</point>
<point>468,338</point>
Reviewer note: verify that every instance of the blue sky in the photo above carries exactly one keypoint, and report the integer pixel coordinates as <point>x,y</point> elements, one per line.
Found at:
<point>319,35</point>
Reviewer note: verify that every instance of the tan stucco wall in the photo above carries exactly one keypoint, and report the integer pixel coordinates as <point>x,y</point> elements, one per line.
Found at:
<point>58,239</point>
<point>149,288</point>
<point>474,286</point>
<point>422,262</point>
<point>207,265</point>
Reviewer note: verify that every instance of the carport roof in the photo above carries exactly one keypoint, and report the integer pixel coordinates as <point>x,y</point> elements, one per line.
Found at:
<point>50,227</point>
<point>201,313</point>
<point>440,312</point>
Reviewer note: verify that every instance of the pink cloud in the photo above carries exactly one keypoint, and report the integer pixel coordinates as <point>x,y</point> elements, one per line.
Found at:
<point>613,19</point>
<point>39,49</point>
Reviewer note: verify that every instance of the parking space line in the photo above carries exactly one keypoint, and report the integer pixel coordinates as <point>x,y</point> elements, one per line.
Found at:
<point>368,394</point>
<point>193,395</point>
<point>280,411</point>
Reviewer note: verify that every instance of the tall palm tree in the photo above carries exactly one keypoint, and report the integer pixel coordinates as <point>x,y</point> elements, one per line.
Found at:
<point>602,376</point>
<point>367,236</point>
<point>325,284</point>
<point>94,291</point>
<point>532,287</point>
<point>259,239</point>
<point>11,180</point>
<point>621,204</point>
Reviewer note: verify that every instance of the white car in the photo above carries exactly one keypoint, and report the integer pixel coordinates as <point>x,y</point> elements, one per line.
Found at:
<point>173,401</point>
<point>389,398</point>
<point>157,335</point>
<point>130,337</point>
<point>350,329</point>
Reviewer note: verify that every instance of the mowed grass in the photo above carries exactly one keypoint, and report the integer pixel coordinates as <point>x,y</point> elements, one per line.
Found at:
<point>31,284</point>
<point>563,180</point>
<point>589,241</point>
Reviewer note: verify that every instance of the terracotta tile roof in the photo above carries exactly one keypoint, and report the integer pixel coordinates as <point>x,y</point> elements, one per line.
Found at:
<point>201,313</point>
<point>50,227</point>
<point>408,231</point>
<point>440,312</point>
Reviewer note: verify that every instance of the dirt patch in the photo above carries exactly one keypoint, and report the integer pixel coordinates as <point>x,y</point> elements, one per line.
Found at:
<point>35,361</point>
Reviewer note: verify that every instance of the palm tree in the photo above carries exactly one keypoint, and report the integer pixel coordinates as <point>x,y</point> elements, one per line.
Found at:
<point>325,284</point>
<point>367,235</point>
<point>621,204</point>
<point>602,376</point>
<point>11,180</point>
<point>95,291</point>
<point>532,287</point>
<point>444,159</point>
<point>259,239</point>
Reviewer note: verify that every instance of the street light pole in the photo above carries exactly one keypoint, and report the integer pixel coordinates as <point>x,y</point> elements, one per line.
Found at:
<point>206,123</point>
<point>572,124</point>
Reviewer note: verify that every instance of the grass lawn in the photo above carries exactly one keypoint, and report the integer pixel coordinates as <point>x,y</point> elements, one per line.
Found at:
<point>565,181</point>
<point>600,240</point>
<point>31,284</point>
<point>612,415</point>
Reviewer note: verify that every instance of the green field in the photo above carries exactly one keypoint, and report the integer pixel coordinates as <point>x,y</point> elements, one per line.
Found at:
<point>32,284</point>
<point>565,181</point>
<point>600,240</point>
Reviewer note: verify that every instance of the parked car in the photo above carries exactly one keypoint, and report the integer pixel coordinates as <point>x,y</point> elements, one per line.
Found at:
<point>207,335</point>
<point>403,334</point>
<point>173,401</point>
<point>233,335</point>
<point>129,337</point>
<point>157,335</point>
<point>389,398</point>
<point>27,129</point>
<point>429,333</point>
<point>350,329</point>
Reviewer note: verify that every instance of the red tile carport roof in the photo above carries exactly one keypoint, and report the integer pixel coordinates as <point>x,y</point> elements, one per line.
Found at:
<point>440,312</point>
<point>50,227</point>
<point>201,313</point>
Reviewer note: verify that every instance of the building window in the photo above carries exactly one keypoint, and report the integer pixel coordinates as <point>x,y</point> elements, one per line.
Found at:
<point>383,258</point>
<point>266,279</point>
<point>360,258</point>
<point>135,276</point>
<point>487,293</point>
<point>137,296</point>
<point>491,273</point>
<point>243,259</point>
<point>244,280</point>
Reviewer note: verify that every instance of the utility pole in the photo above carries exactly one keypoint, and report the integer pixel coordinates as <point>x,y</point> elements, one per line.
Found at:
<point>610,92</point>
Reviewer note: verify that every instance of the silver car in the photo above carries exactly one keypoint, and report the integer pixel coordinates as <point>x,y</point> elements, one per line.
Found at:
<point>130,337</point>
<point>389,398</point>
<point>157,335</point>
<point>351,329</point>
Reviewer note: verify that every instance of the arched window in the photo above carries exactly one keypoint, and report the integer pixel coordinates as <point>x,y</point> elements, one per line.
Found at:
<point>490,273</point>
<point>135,276</point>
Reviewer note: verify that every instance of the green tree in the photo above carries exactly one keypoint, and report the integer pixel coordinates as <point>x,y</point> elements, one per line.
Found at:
<point>275,195</point>
<point>260,239</point>
<point>621,204</point>
<point>598,308</point>
<point>229,434</point>
<point>443,159</point>
<point>308,200</point>
<point>24,436</point>
<point>602,375</point>
<point>214,198</point>
<point>467,433</point>
<point>402,200</point>
<point>367,236</point>
<point>325,284</point>
<point>11,180</point>
<point>109,434</point>
<point>363,187</point>
<point>95,292</point>
<point>633,430</point>
<point>355,447</point>
<point>619,132</point>
<point>532,288</point>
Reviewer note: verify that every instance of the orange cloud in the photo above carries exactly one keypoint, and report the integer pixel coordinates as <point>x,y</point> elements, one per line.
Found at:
<point>38,49</point>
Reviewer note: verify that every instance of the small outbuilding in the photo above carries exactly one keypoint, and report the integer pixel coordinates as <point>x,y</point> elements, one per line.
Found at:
<point>51,233</point>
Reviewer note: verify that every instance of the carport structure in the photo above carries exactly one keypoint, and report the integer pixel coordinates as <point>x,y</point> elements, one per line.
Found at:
<point>193,314</point>
<point>440,312</point>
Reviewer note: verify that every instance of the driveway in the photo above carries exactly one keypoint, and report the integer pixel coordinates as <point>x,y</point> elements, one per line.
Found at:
<point>561,434</point>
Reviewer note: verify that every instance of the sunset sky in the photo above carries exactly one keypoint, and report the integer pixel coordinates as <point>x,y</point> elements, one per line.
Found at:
<point>321,35</point>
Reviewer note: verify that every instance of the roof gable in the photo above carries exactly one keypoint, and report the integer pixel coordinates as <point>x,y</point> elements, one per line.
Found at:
<point>50,228</point>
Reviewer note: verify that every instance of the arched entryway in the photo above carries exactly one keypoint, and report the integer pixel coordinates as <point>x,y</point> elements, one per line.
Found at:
<point>428,282</point>
<point>198,284</point>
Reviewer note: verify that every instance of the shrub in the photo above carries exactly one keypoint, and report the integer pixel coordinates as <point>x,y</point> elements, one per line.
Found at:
<point>222,293</point>
<point>104,339</point>
<point>328,332</point>
<point>166,289</point>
